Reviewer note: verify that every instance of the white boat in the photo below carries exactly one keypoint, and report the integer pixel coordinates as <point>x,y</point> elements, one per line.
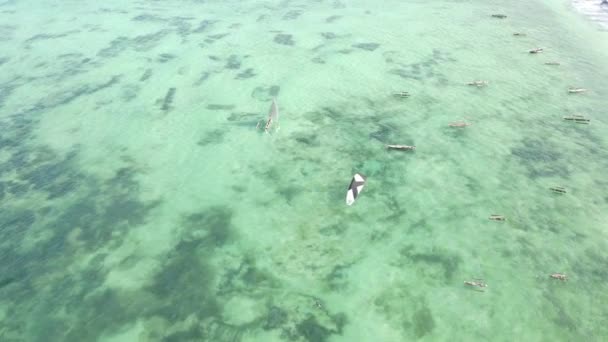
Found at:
<point>576,90</point>
<point>401,147</point>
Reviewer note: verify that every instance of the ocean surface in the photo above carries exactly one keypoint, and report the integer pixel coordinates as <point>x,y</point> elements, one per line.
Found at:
<point>138,201</point>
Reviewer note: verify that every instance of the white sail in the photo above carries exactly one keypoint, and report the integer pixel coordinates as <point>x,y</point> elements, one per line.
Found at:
<point>355,188</point>
<point>274,111</point>
<point>273,116</point>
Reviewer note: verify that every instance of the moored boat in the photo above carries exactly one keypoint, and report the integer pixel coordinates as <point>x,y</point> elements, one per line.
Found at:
<point>576,90</point>
<point>401,147</point>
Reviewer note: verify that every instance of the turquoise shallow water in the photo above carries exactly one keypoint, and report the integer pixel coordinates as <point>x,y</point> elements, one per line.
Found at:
<point>139,203</point>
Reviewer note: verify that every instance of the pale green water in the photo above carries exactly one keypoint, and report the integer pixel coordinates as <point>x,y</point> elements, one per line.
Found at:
<point>124,221</point>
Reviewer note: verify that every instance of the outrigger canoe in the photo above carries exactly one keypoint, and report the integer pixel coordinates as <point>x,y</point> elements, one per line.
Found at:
<point>401,147</point>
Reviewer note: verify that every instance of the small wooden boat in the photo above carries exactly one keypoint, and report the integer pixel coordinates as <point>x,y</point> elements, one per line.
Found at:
<point>495,217</point>
<point>476,282</point>
<point>558,189</point>
<point>577,118</point>
<point>499,16</point>
<point>401,147</point>
<point>402,94</point>
<point>551,63</point>
<point>576,90</point>
<point>537,50</point>
<point>479,283</point>
<point>519,34</point>
<point>459,124</point>
<point>478,83</point>
<point>559,276</point>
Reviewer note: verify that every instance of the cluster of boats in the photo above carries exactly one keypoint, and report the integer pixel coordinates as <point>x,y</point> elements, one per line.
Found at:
<point>358,181</point>
<point>479,284</point>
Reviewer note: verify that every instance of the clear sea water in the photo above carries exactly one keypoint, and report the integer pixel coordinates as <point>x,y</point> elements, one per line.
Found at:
<point>138,202</point>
